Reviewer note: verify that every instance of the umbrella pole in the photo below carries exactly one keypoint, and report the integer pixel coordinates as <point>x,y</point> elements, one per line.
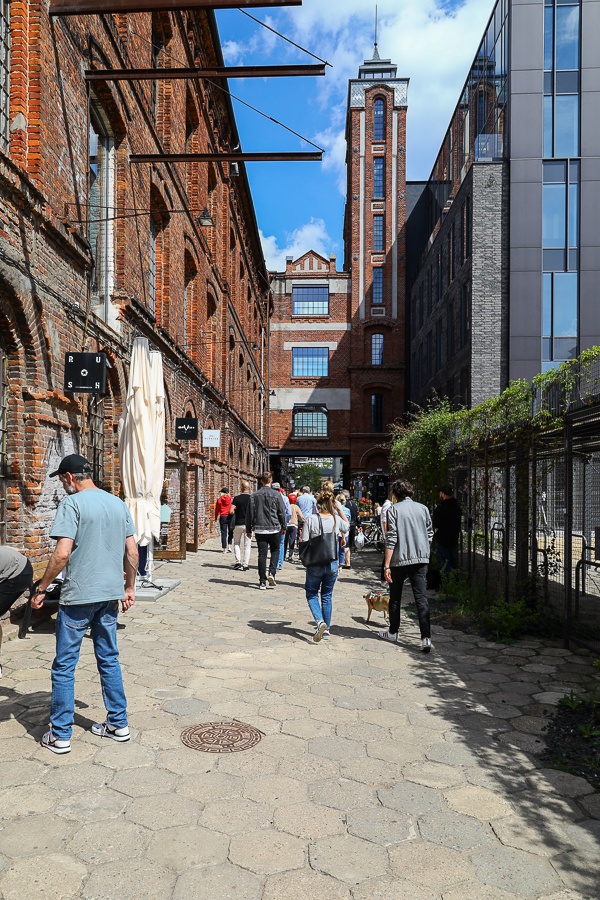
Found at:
<point>146,581</point>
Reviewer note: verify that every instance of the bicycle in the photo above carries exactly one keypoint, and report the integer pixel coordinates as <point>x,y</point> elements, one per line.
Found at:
<point>373,535</point>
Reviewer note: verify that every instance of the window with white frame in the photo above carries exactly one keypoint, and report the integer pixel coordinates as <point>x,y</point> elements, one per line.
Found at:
<point>310,362</point>
<point>309,422</point>
<point>101,208</point>
<point>310,300</point>
<point>4,74</point>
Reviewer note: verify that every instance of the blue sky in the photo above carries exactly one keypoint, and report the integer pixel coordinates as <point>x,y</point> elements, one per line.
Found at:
<point>300,206</point>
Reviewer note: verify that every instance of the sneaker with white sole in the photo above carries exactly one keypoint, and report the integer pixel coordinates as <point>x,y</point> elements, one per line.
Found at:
<point>55,744</point>
<point>319,632</point>
<point>105,729</point>
<point>326,634</point>
<point>388,636</point>
<point>272,581</point>
<point>262,586</point>
<point>426,645</point>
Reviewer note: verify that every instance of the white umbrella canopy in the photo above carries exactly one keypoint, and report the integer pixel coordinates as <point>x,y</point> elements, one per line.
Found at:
<point>141,450</point>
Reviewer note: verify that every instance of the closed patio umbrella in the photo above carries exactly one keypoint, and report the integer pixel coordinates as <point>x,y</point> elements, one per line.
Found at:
<point>142,441</point>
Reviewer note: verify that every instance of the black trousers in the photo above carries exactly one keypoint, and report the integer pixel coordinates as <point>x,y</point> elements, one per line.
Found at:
<point>266,542</point>
<point>12,588</point>
<point>417,575</point>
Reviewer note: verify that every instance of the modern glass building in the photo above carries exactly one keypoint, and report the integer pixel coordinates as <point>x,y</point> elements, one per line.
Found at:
<point>508,282</point>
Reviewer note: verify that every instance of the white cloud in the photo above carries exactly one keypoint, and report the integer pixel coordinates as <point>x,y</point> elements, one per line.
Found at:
<point>432,42</point>
<point>310,236</point>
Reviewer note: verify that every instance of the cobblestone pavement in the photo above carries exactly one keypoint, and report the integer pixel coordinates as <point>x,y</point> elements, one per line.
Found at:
<point>382,772</point>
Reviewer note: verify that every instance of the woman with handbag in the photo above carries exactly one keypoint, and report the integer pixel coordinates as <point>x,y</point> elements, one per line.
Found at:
<point>319,553</point>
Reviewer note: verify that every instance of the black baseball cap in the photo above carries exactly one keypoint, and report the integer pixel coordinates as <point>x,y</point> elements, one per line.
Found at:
<point>74,463</point>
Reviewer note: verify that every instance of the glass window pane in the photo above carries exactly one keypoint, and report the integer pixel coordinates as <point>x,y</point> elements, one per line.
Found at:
<point>553,215</point>
<point>567,82</point>
<point>310,423</point>
<point>377,232</point>
<point>310,300</point>
<point>567,37</point>
<point>548,124</point>
<point>565,348</point>
<point>310,362</point>
<point>565,304</point>
<point>377,350</point>
<point>554,171</point>
<point>548,37</point>
<point>378,120</point>
<point>573,215</point>
<point>566,136</point>
<point>377,285</point>
<point>546,348</point>
<point>546,303</point>
<point>378,177</point>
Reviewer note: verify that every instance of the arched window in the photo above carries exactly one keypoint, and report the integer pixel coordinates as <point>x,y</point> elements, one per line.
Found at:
<point>376,349</point>
<point>189,304</point>
<point>159,257</point>
<point>379,120</point>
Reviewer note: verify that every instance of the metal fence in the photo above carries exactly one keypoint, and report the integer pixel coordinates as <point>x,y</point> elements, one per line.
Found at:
<point>531,509</point>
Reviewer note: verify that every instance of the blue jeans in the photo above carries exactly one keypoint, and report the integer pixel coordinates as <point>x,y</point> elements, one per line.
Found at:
<point>281,552</point>
<point>321,578</point>
<point>341,553</point>
<point>72,623</point>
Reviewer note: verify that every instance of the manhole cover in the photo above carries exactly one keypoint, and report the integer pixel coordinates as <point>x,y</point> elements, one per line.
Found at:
<point>220,737</point>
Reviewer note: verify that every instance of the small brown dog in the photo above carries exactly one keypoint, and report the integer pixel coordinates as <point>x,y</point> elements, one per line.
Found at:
<point>378,600</point>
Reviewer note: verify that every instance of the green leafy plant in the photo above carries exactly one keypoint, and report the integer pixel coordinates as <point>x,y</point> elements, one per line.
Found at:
<point>572,701</point>
<point>589,731</point>
<point>310,474</point>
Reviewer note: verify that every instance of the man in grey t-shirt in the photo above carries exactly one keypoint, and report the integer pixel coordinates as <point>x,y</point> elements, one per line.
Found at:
<point>95,541</point>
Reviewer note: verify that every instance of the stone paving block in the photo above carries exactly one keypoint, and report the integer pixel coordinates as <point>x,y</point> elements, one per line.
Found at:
<point>393,752</point>
<point>27,800</point>
<point>310,768</point>
<point>267,852</point>
<point>96,843</point>
<point>143,782</point>
<point>550,698</point>
<point>383,717</point>
<point>478,802</point>
<point>309,820</point>
<point>388,887</point>
<point>591,805</point>
<point>336,748</point>
<point>162,811</point>
<point>514,871</point>
<point>123,756</point>
<point>373,772</point>
<point>433,775</point>
<point>275,790</point>
<point>451,754</point>
<point>307,728</point>
<point>427,864</point>
<point>530,724</point>
<point>79,777</point>
<point>246,765</point>
<point>382,826</point>
<point>348,858</point>
<point>304,884</point>
<point>585,836</point>
<point>129,879</point>
<point>185,761</point>
<point>223,881</point>
<point>86,806</point>
<point>453,830</point>
<point>161,738</point>
<point>30,836</point>
<point>342,794</point>
<point>187,846</point>
<point>235,816</point>
<point>475,890</point>
<point>281,746</point>
<point>562,783</point>
<point>335,715</point>
<point>54,876</point>
<point>414,799</point>
<point>530,743</point>
<point>363,731</point>
<point>206,786</point>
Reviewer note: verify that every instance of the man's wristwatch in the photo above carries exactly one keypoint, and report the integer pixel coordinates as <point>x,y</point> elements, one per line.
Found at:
<point>386,568</point>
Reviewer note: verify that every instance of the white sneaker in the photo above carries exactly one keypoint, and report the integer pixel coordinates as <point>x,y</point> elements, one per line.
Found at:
<point>326,634</point>
<point>272,581</point>
<point>426,645</point>
<point>53,743</point>
<point>388,636</point>
<point>105,729</point>
<point>319,632</point>
<point>262,586</point>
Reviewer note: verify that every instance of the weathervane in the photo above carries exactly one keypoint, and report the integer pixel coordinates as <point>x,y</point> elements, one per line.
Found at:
<point>375,25</point>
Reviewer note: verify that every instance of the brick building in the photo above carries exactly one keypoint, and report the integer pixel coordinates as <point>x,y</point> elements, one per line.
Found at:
<point>95,250</point>
<point>365,351</point>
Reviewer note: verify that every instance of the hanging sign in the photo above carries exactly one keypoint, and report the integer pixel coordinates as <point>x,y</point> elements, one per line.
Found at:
<point>85,373</point>
<point>186,429</point>
<point>211,438</point>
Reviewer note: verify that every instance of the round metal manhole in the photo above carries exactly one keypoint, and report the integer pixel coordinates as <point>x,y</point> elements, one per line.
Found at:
<point>221,737</point>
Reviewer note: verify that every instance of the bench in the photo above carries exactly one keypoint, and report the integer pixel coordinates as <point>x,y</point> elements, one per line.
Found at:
<point>50,600</point>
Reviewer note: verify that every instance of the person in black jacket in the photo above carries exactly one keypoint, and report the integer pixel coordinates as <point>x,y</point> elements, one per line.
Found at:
<point>266,518</point>
<point>447,517</point>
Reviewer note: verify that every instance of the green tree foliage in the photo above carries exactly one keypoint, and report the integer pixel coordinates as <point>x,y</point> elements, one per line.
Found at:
<point>309,474</point>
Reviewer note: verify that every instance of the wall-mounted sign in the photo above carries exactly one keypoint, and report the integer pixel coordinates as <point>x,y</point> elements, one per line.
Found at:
<point>211,438</point>
<point>186,429</point>
<point>85,372</point>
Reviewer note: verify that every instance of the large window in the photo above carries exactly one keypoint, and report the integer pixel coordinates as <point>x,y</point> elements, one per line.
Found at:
<point>377,413</point>
<point>101,209</point>
<point>378,178</point>
<point>310,362</point>
<point>561,79</point>
<point>376,349</point>
<point>378,284</point>
<point>310,300</point>
<point>4,74</point>
<point>559,318</point>
<point>560,215</point>
<point>309,422</point>
<point>378,233</point>
<point>379,120</point>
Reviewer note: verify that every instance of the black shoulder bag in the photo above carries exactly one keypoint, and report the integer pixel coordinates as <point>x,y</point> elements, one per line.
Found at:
<point>320,549</point>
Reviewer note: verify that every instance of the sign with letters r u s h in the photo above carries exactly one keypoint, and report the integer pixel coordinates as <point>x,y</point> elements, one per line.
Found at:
<point>85,373</point>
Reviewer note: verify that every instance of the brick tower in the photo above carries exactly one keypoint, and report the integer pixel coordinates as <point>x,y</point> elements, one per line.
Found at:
<point>374,246</point>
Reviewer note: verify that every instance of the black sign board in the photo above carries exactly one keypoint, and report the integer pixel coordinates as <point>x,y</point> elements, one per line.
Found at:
<point>85,372</point>
<point>186,429</point>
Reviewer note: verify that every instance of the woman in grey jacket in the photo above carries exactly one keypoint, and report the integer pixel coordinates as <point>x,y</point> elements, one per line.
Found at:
<point>407,547</point>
